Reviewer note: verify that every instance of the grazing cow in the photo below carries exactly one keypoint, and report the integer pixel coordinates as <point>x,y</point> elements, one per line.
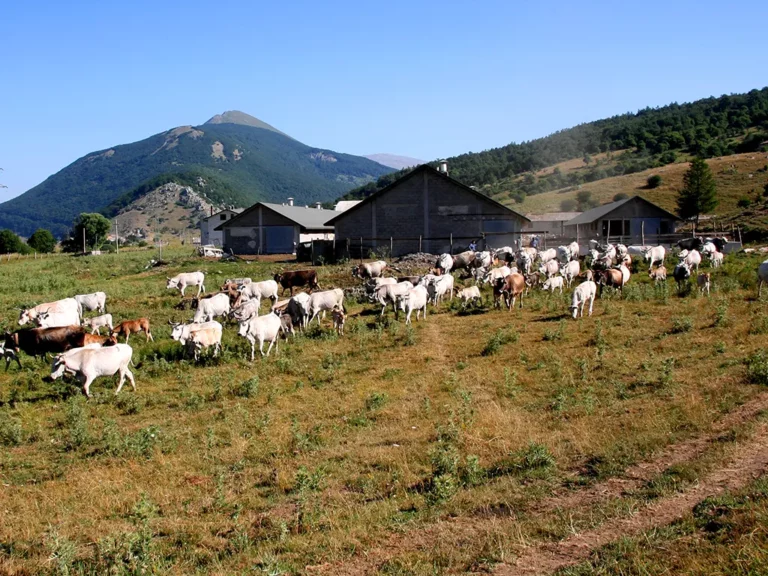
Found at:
<point>90,302</point>
<point>210,308</point>
<point>547,255</point>
<point>295,278</point>
<point>373,283</point>
<point>97,322</point>
<point>87,364</point>
<point>259,290</point>
<point>415,299</point>
<point>512,287</point>
<point>659,274</point>
<point>762,276</point>
<point>655,254</point>
<point>369,270</point>
<point>690,244</point>
<point>583,293</point>
<point>263,328</point>
<point>611,277</point>
<point>41,341</point>
<point>339,318</point>
<point>181,281</point>
<point>439,287</point>
<point>128,327</point>
<point>57,319</point>
<point>467,295</point>
<point>390,293</point>
<point>549,268</point>
<point>552,283</point>
<point>287,324</point>
<point>495,273</point>
<point>717,259</point>
<point>570,271</point>
<point>322,301</point>
<point>245,310</point>
<point>691,258</point>
<point>681,273</point>
<point>703,280</point>
<point>67,305</point>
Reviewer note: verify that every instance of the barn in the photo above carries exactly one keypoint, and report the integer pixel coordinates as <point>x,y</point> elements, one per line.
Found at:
<point>424,210</point>
<point>627,221</point>
<point>267,228</point>
<point>209,225</point>
<point>552,223</point>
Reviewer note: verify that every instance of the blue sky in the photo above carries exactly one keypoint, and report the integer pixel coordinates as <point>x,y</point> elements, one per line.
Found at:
<point>419,78</point>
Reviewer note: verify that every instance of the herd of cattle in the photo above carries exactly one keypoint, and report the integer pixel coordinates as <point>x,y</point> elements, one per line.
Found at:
<point>511,273</point>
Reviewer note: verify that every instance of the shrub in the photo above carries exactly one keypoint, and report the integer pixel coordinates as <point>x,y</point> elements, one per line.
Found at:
<point>757,368</point>
<point>496,341</point>
<point>534,457</point>
<point>568,205</point>
<point>681,324</point>
<point>744,202</point>
<point>620,196</point>
<point>654,181</point>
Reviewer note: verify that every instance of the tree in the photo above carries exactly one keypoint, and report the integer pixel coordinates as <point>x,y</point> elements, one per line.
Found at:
<point>568,205</point>
<point>42,241</point>
<point>585,200</point>
<point>10,243</point>
<point>620,196</point>
<point>699,193</point>
<point>654,181</point>
<point>96,227</point>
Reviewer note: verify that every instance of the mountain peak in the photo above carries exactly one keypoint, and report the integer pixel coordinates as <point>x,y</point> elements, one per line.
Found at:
<point>237,117</point>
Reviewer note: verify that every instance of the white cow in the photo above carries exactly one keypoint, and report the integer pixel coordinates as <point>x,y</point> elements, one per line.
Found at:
<point>57,319</point>
<point>445,263</point>
<point>637,250</point>
<point>87,364</point>
<point>495,273</point>
<point>552,283</point>
<point>583,293</point>
<point>467,295</point>
<point>625,274</point>
<point>717,259</point>
<point>762,276</point>
<point>369,270</point>
<point>570,271</point>
<point>373,283</point>
<point>262,328</point>
<point>298,309</point>
<point>325,301</point>
<point>205,338</point>
<point>183,333</point>
<point>655,254</point>
<point>246,310</point>
<point>59,306</point>
<point>547,255</point>
<point>549,268</point>
<point>210,308</point>
<point>708,249</point>
<point>621,250</point>
<point>181,281</point>
<point>259,290</point>
<point>441,286</point>
<point>390,293</point>
<point>691,258</point>
<point>97,322</point>
<point>415,299</point>
<point>482,260</point>
<point>95,301</point>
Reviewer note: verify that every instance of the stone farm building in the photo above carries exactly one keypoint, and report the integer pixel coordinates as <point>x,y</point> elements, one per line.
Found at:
<point>424,203</point>
<point>208,232</point>
<point>267,228</point>
<point>625,221</point>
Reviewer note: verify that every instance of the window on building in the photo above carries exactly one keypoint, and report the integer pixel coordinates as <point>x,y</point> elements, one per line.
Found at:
<point>223,217</point>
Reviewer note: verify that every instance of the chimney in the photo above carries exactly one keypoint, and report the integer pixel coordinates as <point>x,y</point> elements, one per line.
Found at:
<point>443,167</point>
<point>290,201</point>
<point>319,205</point>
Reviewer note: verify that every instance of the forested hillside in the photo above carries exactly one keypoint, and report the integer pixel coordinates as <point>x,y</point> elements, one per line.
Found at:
<point>649,138</point>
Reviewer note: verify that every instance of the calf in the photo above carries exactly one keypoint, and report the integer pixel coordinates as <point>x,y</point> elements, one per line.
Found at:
<point>552,283</point>
<point>97,322</point>
<point>97,340</point>
<point>210,308</point>
<point>467,295</point>
<point>583,293</point>
<point>338,320</point>
<point>205,338</point>
<point>128,327</point>
<point>415,299</point>
<point>717,259</point>
<point>659,274</point>
<point>681,274</point>
<point>181,281</point>
<point>703,280</point>
<point>512,287</point>
<point>369,270</point>
<point>262,328</point>
<point>90,302</point>
<point>294,278</point>
<point>87,364</point>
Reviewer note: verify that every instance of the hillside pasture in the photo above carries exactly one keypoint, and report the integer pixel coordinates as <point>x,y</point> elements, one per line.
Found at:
<point>451,446</point>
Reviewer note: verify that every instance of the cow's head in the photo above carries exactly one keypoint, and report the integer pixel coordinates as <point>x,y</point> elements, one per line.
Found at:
<point>243,328</point>
<point>278,277</point>
<point>25,316</point>
<point>172,283</point>
<point>176,330</point>
<point>355,271</point>
<point>58,368</point>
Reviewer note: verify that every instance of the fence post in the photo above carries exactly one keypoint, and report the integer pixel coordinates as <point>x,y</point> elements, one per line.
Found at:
<point>312,251</point>
<point>390,247</point>
<point>361,249</point>
<point>545,239</point>
<point>642,230</point>
<point>419,242</point>
<point>349,254</point>
<point>451,243</point>
<point>740,241</point>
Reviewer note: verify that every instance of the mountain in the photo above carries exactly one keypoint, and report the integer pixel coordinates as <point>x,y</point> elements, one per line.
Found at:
<point>250,159</point>
<point>394,161</point>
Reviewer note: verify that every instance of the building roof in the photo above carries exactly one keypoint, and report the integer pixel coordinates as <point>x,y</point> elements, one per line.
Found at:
<point>425,168</point>
<point>307,218</point>
<point>601,211</point>
<point>552,216</point>
<point>343,205</point>
<point>232,210</point>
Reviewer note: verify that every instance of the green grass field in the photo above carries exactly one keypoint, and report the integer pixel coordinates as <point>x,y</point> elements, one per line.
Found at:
<point>452,446</point>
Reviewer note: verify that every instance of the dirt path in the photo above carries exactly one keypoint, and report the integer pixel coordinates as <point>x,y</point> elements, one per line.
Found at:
<point>749,462</point>
<point>750,459</point>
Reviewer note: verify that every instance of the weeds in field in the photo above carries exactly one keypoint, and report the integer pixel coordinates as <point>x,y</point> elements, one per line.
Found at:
<point>555,335</point>
<point>11,431</point>
<point>757,368</point>
<point>76,423</point>
<point>499,339</point>
<point>681,325</point>
<point>721,315</point>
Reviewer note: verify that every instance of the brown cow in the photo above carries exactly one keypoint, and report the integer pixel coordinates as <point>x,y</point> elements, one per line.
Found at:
<point>40,341</point>
<point>293,278</point>
<point>128,327</point>
<point>511,287</point>
<point>98,339</point>
<point>611,278</point>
